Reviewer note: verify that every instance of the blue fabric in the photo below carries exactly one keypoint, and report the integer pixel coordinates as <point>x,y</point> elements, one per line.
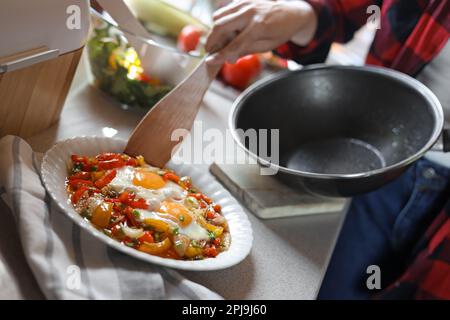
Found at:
<point>382,227</point>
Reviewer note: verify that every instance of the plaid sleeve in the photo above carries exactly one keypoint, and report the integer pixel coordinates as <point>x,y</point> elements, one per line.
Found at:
<point>337,21</point>
<point>428,277</point>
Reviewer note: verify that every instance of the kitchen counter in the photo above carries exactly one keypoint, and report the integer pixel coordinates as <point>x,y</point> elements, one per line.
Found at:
<point>289,256</point>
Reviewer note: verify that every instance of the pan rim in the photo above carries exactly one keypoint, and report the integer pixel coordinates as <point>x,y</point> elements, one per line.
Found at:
<point>406,79</point>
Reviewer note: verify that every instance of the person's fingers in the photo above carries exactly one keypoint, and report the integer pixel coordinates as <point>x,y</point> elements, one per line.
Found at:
<point>232,51</point>
<point>225,29</point>
<point>228,9</point>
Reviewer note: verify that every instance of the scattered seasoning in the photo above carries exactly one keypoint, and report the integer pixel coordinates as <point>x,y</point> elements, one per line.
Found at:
<point>181,218</point>
<point>175,231</point>
<point>94,168</point>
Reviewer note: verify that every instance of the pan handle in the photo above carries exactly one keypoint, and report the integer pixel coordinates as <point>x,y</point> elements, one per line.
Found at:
<point>443,143</point>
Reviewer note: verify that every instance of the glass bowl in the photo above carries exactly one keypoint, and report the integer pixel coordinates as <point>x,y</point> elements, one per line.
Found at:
<point>136,72</point>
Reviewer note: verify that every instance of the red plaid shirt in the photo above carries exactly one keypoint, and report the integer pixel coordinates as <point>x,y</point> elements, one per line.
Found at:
<point>411,34</point>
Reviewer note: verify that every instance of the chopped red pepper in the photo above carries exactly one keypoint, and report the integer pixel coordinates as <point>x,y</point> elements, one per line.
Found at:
<point>217,208</point>
<point>138,204</point>
<point>125,197</point>
<point>216,241</point>
<point>77,183</point>
<point>147,237</point>
<point>76,196</point>
<point>107,178</point>
<point>132,162</point>
<point>108,156</point>
<point>171,176</point>
<point>130,216</point>
<point>81,175</point>
<point>129,199</point>
<point>111,164</point>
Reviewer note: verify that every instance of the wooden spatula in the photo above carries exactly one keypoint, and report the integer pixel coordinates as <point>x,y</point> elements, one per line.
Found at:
<point>177,110</point>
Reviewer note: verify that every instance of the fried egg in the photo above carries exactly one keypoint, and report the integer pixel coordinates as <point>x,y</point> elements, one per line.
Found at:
<point>166,200</point>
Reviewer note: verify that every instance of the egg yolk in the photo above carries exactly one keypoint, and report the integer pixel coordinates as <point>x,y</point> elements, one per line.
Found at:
<point>176,212</point>
<point>148,180</point>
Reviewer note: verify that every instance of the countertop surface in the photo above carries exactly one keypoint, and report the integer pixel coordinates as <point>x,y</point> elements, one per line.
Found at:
<point>289,255</point>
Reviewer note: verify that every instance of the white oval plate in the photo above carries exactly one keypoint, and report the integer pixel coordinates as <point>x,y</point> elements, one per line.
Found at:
<point>54,169</point>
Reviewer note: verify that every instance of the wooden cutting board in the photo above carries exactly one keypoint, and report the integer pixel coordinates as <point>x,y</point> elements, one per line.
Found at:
<point>267,197</point>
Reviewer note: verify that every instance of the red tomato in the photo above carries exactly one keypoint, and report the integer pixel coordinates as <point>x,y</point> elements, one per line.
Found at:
<point>189,38</point>
<point>240,74</point>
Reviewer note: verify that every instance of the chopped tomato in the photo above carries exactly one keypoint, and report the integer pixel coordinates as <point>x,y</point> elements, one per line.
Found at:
<point>171,176</point>
<point>240,74</point>
<point>107,178</point>
<point>216,241</point>
<point>211,251</point>
<point>217,208</point>
<point>147,237</point>
<point>189,38</point>
<point>116,230</point>
<point>210,214</point>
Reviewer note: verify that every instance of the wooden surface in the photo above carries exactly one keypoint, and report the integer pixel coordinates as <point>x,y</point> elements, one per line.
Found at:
<point>266,197</point>
<point>32,98</point>
<point>152,137</point>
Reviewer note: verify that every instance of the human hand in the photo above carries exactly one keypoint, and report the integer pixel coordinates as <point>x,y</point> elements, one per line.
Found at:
<point>246,26</point>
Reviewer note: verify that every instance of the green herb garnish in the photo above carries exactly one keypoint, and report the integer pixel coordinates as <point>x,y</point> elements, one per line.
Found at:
<point>211,235</point>
<point>77,167</point>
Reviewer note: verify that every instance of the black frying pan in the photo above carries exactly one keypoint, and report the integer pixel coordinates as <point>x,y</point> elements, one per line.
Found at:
<point>343,130</point>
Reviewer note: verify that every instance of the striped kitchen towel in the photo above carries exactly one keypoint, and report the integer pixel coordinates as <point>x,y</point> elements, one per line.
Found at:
<point>67,262</point>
